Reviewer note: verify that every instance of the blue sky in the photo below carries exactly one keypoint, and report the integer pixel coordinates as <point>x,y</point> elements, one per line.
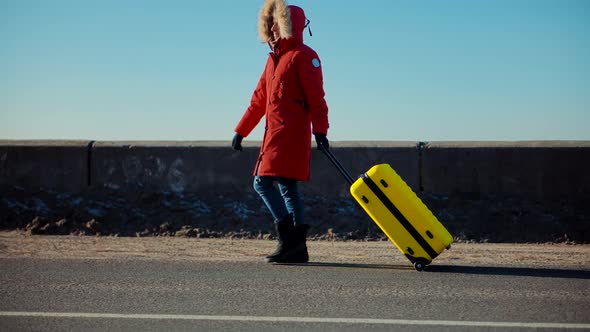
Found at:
<point>393,70</point>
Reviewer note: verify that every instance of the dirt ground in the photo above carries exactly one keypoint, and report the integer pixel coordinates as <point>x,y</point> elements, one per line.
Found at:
<point>16,244</point>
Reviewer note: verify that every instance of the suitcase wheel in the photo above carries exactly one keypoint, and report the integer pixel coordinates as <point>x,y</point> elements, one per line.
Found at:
<point>420,264</point>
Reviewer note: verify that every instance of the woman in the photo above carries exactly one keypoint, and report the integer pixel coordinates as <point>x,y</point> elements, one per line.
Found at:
<point>290,94</point>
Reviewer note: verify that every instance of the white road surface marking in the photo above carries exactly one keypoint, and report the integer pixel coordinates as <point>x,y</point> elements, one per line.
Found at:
<point>535,325</point>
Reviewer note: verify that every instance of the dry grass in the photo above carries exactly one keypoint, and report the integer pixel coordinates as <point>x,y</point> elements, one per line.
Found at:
<point>18,245</point>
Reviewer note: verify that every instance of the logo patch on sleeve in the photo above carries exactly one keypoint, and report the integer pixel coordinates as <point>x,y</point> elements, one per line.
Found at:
<point>315,62</point>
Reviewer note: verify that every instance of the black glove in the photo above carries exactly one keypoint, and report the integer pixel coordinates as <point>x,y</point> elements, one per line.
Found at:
<point>322,141</point>
<point>236,143</point>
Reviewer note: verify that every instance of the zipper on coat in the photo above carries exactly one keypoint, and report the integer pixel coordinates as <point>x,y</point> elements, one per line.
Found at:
<point>261,146</point>
<point>269,89</point>
<point>275,60</point>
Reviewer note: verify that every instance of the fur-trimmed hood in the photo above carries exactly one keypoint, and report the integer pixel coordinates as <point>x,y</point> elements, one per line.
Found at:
<point>291,20</point>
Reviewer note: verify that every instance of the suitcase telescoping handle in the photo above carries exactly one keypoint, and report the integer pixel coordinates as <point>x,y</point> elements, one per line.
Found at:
<point>338,165</point>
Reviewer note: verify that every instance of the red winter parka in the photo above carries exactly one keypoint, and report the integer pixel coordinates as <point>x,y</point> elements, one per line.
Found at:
<point>290,93</point>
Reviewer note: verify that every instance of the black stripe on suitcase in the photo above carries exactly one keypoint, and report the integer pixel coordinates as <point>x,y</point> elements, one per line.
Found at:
<point>396,212</point>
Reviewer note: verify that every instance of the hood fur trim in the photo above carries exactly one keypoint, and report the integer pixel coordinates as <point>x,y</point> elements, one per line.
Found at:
<point>276,10</point>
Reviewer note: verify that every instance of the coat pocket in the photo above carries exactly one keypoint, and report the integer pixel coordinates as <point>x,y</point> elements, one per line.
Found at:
<point>301,103</point>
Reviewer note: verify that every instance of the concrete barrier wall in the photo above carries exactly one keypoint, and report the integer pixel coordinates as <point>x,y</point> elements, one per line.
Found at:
<point>533,169</point>
<point>171,166</point>
<point>540,170</point>
<point>489,191</point>
<point>357,158</point>
<point>213,167</point>
<point>52,165</point>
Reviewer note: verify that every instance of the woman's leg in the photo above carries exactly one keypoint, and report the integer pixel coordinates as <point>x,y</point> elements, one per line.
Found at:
<point>292,199</point>
<point>264,186</point>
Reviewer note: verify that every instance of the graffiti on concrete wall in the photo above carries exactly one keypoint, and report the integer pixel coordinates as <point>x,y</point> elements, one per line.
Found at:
<point>145,172</point>
<point>175,176</point>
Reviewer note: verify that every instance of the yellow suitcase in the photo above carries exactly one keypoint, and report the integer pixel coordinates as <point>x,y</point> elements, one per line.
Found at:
<point>399,212</point>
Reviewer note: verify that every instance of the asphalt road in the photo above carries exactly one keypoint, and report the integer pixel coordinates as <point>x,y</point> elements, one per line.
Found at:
<point>160,295</point>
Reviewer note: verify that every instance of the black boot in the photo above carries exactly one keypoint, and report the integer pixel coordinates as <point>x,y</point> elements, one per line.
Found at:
<point>294,249</point>
<point>284,228</point>
<point>299,253</point>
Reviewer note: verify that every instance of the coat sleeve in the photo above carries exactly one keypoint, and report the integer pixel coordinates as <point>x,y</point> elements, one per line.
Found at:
<point>310,72</point>
<point>256,110</point>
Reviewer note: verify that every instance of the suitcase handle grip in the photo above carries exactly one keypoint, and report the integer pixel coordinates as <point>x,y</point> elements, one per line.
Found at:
<point>338,165</point>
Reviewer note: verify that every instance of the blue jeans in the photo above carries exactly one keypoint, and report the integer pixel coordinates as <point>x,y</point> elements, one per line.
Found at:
<point>285,200</point>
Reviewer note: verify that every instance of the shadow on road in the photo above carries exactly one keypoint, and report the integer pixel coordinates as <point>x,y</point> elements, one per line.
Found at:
<point>484,270</point>
<point>511,271</point>
<point>358,266</point>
